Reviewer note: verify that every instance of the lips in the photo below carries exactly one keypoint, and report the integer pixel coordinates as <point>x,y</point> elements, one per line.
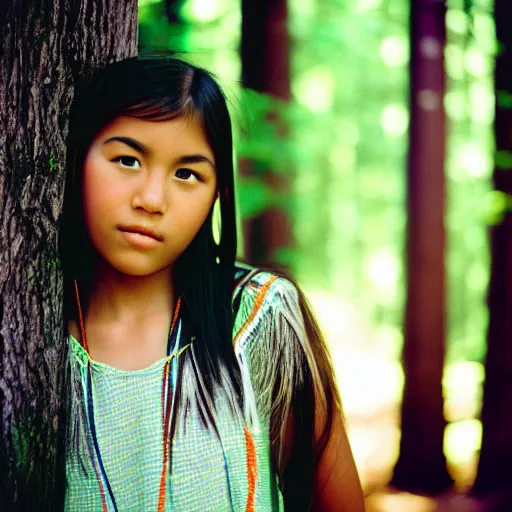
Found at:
<point>141,230</point>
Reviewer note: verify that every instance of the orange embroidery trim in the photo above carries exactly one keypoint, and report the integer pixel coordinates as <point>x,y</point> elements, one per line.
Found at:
<point>165,419</point>
<point>165,448</point>
<point>176,312</point>
<point>102,490</point>
<point>252,470</point>
<point>257,306</point>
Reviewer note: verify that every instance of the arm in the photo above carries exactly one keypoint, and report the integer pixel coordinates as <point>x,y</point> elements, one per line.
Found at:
<point>288,356</point>
<point>336,483</point>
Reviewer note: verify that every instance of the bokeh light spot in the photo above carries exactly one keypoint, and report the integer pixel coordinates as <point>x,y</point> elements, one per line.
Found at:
<point>477,62</point>
<point>462,439</point>
<point>457,21</point>
<point>394,51</point>
<point>203,10</point>
<point>455,105</point>
<point>481,98</point>
<point>366,5</point>
<point>315,89</point>
<point>454,61</point>
<point>395,119</point>
<point>383,270</point>
<point>476,162</point>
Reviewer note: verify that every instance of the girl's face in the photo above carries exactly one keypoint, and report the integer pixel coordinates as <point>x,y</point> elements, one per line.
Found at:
<point>147,190</point>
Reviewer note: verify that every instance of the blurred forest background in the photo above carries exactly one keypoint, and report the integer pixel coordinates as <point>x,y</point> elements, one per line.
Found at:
<point>329,98</point>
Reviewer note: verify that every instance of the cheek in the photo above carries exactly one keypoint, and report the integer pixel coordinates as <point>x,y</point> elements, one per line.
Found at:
<point>97,194</point>
<point>196,211</point>
<point>192,215</point>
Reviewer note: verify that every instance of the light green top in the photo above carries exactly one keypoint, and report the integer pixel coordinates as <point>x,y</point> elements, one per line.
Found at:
<point>209,472</point>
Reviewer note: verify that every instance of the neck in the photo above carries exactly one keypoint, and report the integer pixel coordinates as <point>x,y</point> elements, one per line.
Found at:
<point>116,297</point>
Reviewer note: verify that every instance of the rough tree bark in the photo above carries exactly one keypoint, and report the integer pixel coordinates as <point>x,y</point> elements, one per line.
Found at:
<point>265,68</point>
<point>422,465</point>
<point>495,470</point>
<point>46,45</point>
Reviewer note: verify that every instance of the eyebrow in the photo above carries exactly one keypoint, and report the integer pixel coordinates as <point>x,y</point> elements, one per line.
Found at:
<point>134,144</point>
<point>195,159</point>
<point>144,150</point>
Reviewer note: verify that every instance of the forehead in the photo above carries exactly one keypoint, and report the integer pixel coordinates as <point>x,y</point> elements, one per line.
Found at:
<point>184,134</point>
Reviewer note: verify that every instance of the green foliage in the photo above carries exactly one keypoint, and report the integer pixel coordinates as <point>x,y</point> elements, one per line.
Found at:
<point>261,123</point>
<point>341,143</point>
<point>472,205</point>
<point>503,159</point>
<point>498,205</point>
<point>350,75</point>
<point>254,197</point>
<point>54,263</point>
<point>53,163</point>
<point>259,119</point>
<point>504,99</point>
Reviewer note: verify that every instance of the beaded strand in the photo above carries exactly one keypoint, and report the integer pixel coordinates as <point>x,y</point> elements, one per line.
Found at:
<point>252,471</point>
<point>166,412</point>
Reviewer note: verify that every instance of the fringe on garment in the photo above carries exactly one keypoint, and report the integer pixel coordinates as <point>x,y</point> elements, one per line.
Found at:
<point>275,355</point>
<point>78,440</point>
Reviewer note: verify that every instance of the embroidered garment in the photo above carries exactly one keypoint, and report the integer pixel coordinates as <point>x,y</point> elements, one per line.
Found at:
<point>222,468</point>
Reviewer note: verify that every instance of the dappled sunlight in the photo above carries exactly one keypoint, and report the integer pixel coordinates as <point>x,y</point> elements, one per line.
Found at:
<point>462,384</point>
<point>400,502</point>
<point>348,153</point>
<point>371,384</point>
<point>462,439</point>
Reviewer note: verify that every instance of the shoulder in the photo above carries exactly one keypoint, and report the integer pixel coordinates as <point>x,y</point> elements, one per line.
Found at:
<point>260,285</point>
<point>263,300</point>
<point>269,338</point>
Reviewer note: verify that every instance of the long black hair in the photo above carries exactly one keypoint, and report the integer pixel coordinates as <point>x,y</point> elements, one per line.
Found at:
<point>160,89</point>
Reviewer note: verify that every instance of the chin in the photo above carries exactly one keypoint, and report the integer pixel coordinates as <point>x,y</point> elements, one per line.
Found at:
<point>137,269</point>
<point>133,271</point>
<point>135,264</point>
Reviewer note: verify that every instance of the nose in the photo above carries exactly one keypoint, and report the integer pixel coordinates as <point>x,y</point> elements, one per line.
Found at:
<point>150,195</point>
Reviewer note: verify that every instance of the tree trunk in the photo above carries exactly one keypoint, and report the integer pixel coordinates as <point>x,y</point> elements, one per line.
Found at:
<point>46,45</point>
<point>422,465</point>
<point>265,68</point>
<point>172,10</point>
<point>494,470</point>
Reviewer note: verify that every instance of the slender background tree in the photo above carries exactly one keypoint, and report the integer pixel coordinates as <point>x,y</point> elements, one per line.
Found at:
<point>266,69</point>
<point>494,469</point>
<point>46,45</point>
<point>421,466</point>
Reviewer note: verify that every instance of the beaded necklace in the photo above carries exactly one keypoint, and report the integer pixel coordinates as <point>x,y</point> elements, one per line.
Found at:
<point>166,410</point>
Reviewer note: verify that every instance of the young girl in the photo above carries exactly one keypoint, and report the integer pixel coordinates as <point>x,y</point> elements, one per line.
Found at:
<point>197,383</point>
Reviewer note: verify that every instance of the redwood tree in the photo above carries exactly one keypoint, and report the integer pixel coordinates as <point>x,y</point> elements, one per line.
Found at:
<point>495,470</point>
<point>46,45</point>
<point>422,466</point>
<point>265,68</point>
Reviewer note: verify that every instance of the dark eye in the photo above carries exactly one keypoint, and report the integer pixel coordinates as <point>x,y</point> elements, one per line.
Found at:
<point>186,174</point>
<point>128,162</point>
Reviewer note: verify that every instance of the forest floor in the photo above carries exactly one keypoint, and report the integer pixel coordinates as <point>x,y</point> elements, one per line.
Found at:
<point>391,501</point>
<point>377,469</point>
